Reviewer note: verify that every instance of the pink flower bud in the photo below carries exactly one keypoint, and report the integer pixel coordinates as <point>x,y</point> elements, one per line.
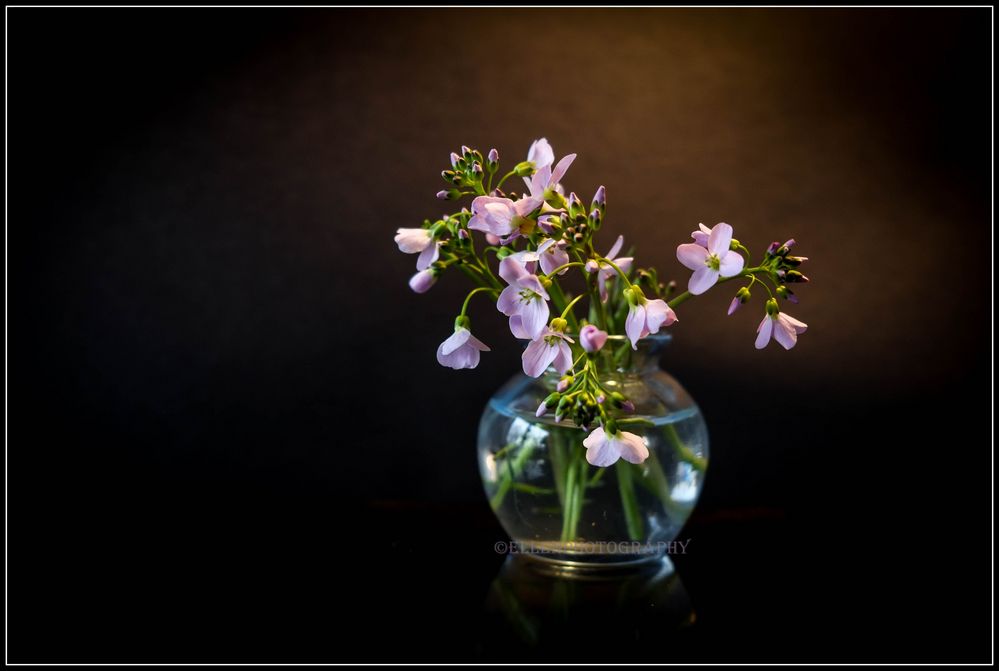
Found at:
<point>422,281</point>
<point>734,305</point>
<point>542,409</point>
<point>591,338</point>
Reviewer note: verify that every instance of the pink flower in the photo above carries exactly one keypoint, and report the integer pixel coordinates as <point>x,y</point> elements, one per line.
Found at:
<point>644,316</point>
<point>783,327</point>
<point>550,348</point>
<point>503,217</point>
<point>603,449</point>
<point>525,301</point>
<point>711,262</point>
<point>545,178</point>
<point>461,350</point>
<point>552,255</point>
<point>592,338</point>
<point>605,271</point>
<point>541,154</point>
<point>418,240</point>
<point>700,236</point>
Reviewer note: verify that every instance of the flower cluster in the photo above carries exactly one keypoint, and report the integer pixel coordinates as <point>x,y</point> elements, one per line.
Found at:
<point>534,235</point>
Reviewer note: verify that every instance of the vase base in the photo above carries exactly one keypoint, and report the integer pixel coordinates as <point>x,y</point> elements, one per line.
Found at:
<point>592,558</point>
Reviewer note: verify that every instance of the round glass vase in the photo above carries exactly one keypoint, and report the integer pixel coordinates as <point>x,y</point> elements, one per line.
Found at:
<point>555,505</point>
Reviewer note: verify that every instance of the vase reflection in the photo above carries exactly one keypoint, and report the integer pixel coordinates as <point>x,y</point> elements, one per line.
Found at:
<point>539,609</point>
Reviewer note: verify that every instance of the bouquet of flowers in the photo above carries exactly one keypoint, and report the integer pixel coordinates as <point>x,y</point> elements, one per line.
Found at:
<point>536,236</point>
<point>531,249</point>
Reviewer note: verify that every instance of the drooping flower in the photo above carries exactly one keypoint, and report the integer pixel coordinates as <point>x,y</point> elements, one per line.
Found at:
<point>552,254</point>
<point>525,300</point>
<point>604,449</point>
<point>710,262</point>
<point>462,349</point>
<point>605,271</point>
<point>700,236</point>
<point>549,348</point>
<point>591,338</point>
<point>784,328</point>
<point>645,316</point>
<point>419,240</point>
<point>423,280</point>
<point>502,217</point>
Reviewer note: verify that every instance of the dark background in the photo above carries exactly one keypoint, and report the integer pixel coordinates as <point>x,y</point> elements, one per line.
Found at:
<point>228,436</point>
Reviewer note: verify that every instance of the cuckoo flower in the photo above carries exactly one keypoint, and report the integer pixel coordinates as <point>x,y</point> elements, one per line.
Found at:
<point>700,236</point>
<point>552,254</point>
<point>592,338</point>
<point>549,348</point>
<point>545,178</point>
<point>644,316</point>
<point>711,262</point>
<point>502,217</point>
<point>418,241</point>
<point>462,349</point>
<point>525,301</point>
<point>605,271</point>
<point>782,327</point>
<point>603,448</point>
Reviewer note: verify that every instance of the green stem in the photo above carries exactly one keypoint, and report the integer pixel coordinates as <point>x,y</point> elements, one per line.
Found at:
<point>620,273</point>
<point>513,469</point>
<point>569,306</point>
<point>571,491</point>
<point>686,295</point>
<point>464,306</point>
<point>683,452</point>
<point>571,264</point>
<point>505,177</point>
<point>628,501</point>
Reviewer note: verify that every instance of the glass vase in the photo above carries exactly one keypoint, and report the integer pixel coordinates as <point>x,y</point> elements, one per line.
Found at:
<point>555,505</point>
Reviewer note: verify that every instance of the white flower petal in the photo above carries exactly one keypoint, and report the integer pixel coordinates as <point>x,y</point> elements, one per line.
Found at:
<point>731,264</point>
<point>764,330</point>
<point>720,239</point>
<point>692,255</point>
<point>703,279</point>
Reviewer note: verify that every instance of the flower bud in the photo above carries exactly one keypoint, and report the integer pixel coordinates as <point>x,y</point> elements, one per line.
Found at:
<point>524,169</point>
<point>449,194</point>
<point>733,306</point>
<point>477,169</point>
<point>564,383</point>
<point>591,338</point>
<point>595,219</point>
<point>576,209</point>
<point>542,409</point>
<point>600,200</point>
<point>448,175</point>
<point>795,276</point>
<point>772,249</point>
<point>786,294</point>
<point>466,152</point>
<point>794,261</point>
<point>552,399</point>
<point>559,324</point>
<point>454,160</point>
<point>423,280</point>
<point>734,245</point>
<point>492,160</point>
